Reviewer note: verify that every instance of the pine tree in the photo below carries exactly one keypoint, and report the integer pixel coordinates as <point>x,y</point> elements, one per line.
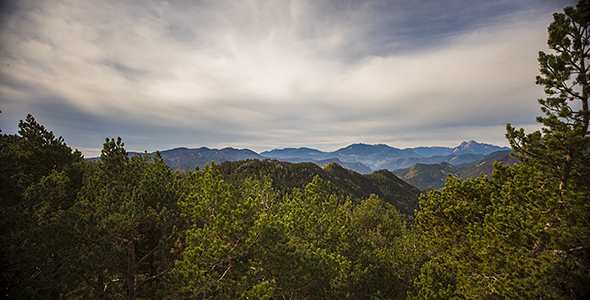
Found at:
<point>128,224</point>
<point>523,234</point>
<point>40,176</point>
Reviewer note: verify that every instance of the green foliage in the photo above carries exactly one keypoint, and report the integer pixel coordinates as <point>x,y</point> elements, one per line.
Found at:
<point>284,176</point>
<point>39,176</point>
<point>130,227</point>
<point>222,257</point>
<point>561,149</point>
<point>502,238</point>
<point>346,183</point>
<point>132,222</point>
<point>40,152</point>
<point>311,245</point>
<point>320,237</point>
<point>77,230</point>
<point>524,233</point>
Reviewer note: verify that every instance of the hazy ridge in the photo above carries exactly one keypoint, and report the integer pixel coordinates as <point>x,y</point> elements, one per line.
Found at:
<point>422,167</point>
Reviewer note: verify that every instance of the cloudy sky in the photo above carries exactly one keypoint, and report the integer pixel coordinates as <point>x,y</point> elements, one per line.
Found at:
<point>263,74</point>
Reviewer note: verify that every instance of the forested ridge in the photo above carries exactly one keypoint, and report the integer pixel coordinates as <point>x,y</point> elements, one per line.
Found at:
<point>285,176</point>
<point>132,228</point>
<point>433,176</point>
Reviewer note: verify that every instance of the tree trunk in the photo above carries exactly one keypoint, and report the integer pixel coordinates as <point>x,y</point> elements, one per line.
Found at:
<point>132,268</point>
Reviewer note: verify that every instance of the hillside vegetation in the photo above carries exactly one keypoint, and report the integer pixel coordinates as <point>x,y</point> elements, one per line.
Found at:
<point>286,176</point>
<point>131,227</point>
<point>434,176</point>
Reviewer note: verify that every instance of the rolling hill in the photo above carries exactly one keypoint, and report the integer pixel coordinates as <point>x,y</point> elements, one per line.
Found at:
<point>433,176</point>
<point>285,176</point>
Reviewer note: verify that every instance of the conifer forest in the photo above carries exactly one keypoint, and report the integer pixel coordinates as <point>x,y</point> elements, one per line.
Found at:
<point>130,227</point>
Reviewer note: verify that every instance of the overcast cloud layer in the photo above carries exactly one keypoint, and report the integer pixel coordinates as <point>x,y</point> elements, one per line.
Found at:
<point>272,74</point>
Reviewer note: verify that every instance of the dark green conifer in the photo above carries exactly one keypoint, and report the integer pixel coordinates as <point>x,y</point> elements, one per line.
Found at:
<point>525,233</point>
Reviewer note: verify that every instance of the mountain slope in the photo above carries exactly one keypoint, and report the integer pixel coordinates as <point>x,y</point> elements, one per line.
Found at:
<point>373,156</point>
<point>357,167</point>
<point>381,156</point>
<point>474,147</point>
<point>433,176</point>
<point>362,158</point>
<point>431,151</point>
<point>395,190</point>
<point>453,159</point>
<point>428,176</point>
<point>486,164</point>
<point>184,158</point>
<point>285,176</point>
<point>294,153</point>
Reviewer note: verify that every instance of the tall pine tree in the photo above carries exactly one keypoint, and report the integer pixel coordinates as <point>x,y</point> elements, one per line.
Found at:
<point>525,232</point>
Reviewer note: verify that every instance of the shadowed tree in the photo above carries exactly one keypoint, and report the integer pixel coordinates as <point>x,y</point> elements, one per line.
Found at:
<point>130,221</point>
<point>39,176</point>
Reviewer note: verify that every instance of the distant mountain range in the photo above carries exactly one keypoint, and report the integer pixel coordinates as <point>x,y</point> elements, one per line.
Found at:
<point>361,158</point>
<point>381,156</point>
<point>184,158</point>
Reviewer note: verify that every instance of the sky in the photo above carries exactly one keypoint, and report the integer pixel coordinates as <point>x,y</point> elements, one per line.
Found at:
<point>265,74</point>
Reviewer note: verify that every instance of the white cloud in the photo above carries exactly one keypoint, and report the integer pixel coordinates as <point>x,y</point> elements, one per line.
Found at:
<point>271,73</point>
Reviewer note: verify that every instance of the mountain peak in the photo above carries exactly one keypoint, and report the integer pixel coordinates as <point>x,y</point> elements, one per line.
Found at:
<point>474,147</point>
<point>363,149</point>
<point>469,143</point>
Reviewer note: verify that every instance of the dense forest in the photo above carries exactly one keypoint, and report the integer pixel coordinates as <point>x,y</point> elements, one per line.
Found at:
<point>132,228</point>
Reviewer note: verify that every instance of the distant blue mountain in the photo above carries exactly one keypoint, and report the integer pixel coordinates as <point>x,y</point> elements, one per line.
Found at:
<point>431,151</point>
<point>382,156</point>
<point>362,158</point>
<point>474,147</point>
<point>366,150</point>
<point>434,175</point>
<point>287,153</point>
<point>435,159</point>
<point>184,158</point>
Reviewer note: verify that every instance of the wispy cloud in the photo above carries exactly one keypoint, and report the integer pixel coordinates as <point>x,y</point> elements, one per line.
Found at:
<point>264,74</point>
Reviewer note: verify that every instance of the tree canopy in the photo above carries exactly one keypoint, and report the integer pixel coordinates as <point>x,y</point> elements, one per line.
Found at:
<point>523,233</point>
<point>131,228</point>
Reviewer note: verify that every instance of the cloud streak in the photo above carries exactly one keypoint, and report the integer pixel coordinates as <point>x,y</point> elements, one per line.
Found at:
<point>263,74</point>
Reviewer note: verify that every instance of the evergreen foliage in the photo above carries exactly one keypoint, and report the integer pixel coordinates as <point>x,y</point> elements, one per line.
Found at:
<point>311,245</point>
<point>524,233</point>
<point>130,223</point>
<point>39,175</point>
<point>129,227</point>
<point>285,176</point>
